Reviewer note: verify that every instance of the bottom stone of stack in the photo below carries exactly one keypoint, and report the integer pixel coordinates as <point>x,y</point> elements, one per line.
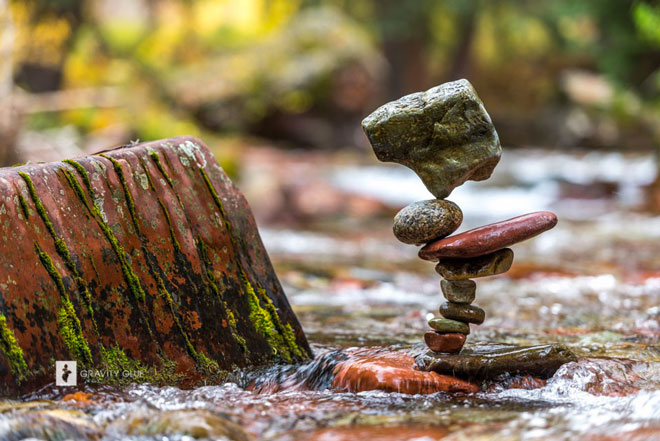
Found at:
<point>448,343</point>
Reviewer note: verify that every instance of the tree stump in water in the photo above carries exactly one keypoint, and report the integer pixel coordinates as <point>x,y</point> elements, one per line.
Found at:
<point>144,258</point>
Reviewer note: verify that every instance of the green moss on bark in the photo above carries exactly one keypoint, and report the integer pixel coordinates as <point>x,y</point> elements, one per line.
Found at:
<point>69,324</point>
<point>12,352</point>
<point>265,318</point>
<point>41,210</point>
<point>60,246</point>
<point>77,189</point>
<point>166,213</point>
<point>81,171</point>
<point>127,194</point>
<point>73,339</point>
<point>267,322</point>
<point>23,203</point>
<point>203,251</point>
<point>206,365</point>
<point>133,282</point>
<point>114,359</point>
<point>156,158</point>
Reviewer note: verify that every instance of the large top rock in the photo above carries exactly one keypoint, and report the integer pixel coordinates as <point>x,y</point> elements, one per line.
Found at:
<point>444,135</point>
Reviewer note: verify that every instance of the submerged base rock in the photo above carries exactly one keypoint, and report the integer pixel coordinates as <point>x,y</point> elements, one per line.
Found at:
<point>394,372</point>
<point>490,361</point>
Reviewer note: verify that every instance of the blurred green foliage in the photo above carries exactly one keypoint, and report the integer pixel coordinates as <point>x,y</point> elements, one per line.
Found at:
<point>204,67</point>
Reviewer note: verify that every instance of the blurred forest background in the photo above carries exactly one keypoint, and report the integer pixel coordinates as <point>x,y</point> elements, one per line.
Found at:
<point>78,76</point>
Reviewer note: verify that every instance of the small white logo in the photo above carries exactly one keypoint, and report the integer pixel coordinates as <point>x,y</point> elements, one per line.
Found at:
<point>66,373</point>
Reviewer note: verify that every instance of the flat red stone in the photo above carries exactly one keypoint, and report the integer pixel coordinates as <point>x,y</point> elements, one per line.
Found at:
<point>394,372</point>
<point>450,343</point>
<point>490,238</point>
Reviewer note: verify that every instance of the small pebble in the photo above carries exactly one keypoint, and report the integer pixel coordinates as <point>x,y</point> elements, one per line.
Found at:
<point>489,265</point>
<point>447,325</point>
<point>423,221</point>
<point>451,343</point>
<point>459,291</point>
<point>463,312</point>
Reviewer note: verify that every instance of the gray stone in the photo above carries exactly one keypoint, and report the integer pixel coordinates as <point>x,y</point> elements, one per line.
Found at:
<point>423,221</point>
<point>447,325</point>
<point>443,134</point>
<point>489,361</point>
<point>489,265</point>
<point>459,291</point>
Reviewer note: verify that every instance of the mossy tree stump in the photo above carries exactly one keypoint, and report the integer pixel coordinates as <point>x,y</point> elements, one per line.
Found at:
<point>142,257</point>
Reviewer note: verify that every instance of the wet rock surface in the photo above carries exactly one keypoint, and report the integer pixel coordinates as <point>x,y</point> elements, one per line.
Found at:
<point>444,134</point>
<point>144,257</point>
<point>489,265</point>
<point>489,361</point>
<point>463,312</point>
<point>490,238</point>
<point>394,372</point>
<point>192,423</point>
<point>423,221</point>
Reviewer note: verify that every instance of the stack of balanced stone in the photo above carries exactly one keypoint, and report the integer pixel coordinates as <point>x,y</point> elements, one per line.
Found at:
<point>446,136</point>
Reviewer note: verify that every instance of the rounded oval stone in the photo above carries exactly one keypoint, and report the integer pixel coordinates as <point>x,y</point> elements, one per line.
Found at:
<point>459,291</point>
<point>490,238</point>
<point>448,325</point>
<point>489,265</point>
<point>450,343</point>
<point>463,312</point>
<point>423,221</point>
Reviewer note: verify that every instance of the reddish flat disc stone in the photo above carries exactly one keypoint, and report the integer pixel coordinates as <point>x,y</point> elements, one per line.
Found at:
<point>394,372</point>
<point>490,238</point>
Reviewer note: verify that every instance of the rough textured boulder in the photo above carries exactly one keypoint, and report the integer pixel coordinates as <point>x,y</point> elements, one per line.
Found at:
<point>481,362</point>
<point>444,135</point>
<point>143,258</point>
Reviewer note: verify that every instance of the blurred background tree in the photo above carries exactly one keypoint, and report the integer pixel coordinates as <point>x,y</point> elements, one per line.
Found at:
<point>302,73</point>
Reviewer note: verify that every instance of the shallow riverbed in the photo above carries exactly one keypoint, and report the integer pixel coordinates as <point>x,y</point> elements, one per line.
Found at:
<point>592,283</point>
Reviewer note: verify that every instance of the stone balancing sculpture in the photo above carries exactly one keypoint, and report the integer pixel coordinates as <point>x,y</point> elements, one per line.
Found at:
<point>446,137</point>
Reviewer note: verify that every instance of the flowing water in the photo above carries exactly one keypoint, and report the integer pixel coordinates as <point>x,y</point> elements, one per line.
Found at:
<point>592,283</point>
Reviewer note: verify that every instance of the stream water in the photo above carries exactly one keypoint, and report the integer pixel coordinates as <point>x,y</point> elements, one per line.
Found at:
<point>592,283</point>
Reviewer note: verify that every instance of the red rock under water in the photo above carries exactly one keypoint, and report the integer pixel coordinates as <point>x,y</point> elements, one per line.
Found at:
<point>394,372</point>
<point>145,257</point>
<point>489,238</point>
